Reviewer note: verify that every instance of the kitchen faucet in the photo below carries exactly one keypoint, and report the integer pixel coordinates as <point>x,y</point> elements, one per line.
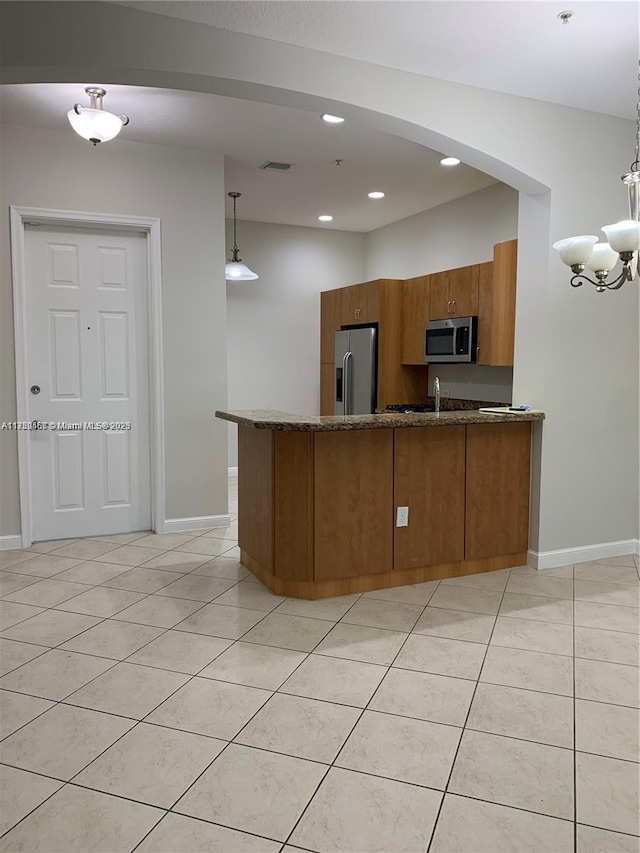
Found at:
<point>436,391</point>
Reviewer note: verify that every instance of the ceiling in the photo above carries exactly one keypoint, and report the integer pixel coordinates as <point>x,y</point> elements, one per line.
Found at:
<point>514,46</point>
<point>251,133</point>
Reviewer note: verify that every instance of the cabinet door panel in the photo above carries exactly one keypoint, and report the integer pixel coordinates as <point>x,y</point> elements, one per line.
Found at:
<point>429,479</point>
<point>416,295</point>
<point>463,291</point>
<point>327,388</point>
<point>497,490</point>
<point>329,323</point>
<point>439,298</point>
<point>353,477</point>
<point>360,304</point>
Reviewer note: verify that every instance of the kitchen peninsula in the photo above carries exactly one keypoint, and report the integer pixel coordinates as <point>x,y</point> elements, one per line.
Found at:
<point>319,497</point>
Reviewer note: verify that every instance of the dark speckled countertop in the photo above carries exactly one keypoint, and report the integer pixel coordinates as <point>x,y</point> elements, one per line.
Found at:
<point>270,419</point>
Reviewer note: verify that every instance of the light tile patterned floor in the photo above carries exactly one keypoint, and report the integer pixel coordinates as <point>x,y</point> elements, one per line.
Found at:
<point>154,696</point>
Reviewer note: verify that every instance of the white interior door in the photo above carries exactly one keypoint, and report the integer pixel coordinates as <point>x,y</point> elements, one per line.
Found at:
<point>87,353</point>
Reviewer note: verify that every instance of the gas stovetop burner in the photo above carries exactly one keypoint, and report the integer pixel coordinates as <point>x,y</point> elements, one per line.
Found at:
<point>408,408</point>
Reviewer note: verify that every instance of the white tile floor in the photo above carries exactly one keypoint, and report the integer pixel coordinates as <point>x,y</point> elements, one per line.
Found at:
<point>155,697</point>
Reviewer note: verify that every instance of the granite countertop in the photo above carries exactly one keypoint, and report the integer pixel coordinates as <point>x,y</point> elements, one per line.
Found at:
<point>271,419</point>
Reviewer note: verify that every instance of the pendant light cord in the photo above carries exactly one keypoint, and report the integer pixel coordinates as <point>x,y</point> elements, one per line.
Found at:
<point>235,238</point>
<point>635,166</point>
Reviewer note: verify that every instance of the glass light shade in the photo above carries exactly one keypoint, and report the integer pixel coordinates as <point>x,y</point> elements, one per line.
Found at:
<point>95,125</point>
<point>575,250</point>
<point>603,257</point>
<point>237,271</point>
<point>623,236</point>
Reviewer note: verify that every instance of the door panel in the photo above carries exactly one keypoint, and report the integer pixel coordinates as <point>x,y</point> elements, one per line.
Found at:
<point>327,389</point>
<point>362,371</point>
<point>497,489</point>
<point>463,291</point>
<point>69,473</point>
<point>87,350</point>
<point>329,323</point>
<point>416,293</point>
<point>353,486</point>
<point>64,337</point>
<point>429,479</point>
<point>439,298</point>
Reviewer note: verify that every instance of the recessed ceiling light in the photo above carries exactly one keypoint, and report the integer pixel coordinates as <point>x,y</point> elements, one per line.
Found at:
<point>376,194</point>
<point>325,218</point>
<point>449,161</point>
<point>332,119</point>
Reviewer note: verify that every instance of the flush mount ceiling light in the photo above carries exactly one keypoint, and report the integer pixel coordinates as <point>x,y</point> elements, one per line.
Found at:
<point>376,194</point>
<point>325,218</point>
<point>623,238</point>
<point>235,270</point>
<point>449,161</point>
<point>94,123</point>
<point>332,119</point>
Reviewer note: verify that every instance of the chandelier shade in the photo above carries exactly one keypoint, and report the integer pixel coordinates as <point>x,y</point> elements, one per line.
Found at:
<point>94,123</point>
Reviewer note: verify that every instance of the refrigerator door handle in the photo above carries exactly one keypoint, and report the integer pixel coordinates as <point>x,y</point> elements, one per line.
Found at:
<point>346,358</point>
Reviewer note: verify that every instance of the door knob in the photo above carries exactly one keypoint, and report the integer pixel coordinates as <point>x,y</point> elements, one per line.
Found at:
<point>35,389</point>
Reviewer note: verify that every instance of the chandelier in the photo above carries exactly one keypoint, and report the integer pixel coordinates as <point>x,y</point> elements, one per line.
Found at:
<point>94,123</point>
<point>235,270</point>
<point>623,238</point>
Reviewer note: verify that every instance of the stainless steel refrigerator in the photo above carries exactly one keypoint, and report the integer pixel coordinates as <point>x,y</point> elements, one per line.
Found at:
<point>355,371</point>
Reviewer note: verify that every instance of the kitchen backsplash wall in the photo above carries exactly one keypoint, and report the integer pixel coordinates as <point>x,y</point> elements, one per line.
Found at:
<point>468,382</point>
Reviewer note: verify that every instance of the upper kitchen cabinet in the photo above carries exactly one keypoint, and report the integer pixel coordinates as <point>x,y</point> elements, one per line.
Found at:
<point>416,298</point>
<point>454,293</point>
<point>330,303</point>
<point>497,306</point>
<point>360,303</point>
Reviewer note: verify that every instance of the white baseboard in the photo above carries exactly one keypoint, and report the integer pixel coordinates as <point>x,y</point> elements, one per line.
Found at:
<point>233,472</point>
<point>178,525</point>
<point>583,554</point>
<point>9,543</point>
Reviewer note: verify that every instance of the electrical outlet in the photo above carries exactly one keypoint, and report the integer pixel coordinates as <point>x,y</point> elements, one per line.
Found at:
<point>445,392</point>
<point>402,516</point>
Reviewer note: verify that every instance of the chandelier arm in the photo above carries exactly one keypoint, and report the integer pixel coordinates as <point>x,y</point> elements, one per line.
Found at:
<point>580,278</point>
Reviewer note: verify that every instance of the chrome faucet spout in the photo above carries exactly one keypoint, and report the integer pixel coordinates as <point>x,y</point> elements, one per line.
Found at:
<point>436,391</point>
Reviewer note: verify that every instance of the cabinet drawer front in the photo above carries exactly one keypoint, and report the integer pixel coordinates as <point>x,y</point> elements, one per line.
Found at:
<point>353,487</point>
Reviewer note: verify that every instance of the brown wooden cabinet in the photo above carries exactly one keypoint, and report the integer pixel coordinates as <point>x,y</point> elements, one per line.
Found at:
<point>454,293</point>
<point>360,303</point>
<point>497,306</point>
<point>416,307</point>
<point>497,489</point>
<point>317,508</point>
<point>330,321</point>
<point>353,487</point>
<point>327,387</point>
<point>429,479</point>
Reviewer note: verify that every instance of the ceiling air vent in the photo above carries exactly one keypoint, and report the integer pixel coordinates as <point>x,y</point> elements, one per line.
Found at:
<point>278,167</point>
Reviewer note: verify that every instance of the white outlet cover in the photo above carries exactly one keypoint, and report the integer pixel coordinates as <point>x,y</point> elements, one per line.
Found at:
<point>402,516</point>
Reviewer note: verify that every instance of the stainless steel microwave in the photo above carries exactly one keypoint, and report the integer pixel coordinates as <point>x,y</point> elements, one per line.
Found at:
<point>452,341</point>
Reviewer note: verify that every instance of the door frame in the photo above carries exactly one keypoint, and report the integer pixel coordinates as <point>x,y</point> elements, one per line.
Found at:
<point>150,226</point>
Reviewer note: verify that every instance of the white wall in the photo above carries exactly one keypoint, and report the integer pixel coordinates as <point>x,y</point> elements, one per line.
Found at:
<point>274,323</point>
<point>185,188</point>
<point>455,234</point>
<point>576,350</point>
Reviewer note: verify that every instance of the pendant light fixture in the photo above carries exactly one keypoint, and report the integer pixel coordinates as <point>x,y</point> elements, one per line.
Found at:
<point>94,123</point>
<point>623,238</point>
<point>235,270</point>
